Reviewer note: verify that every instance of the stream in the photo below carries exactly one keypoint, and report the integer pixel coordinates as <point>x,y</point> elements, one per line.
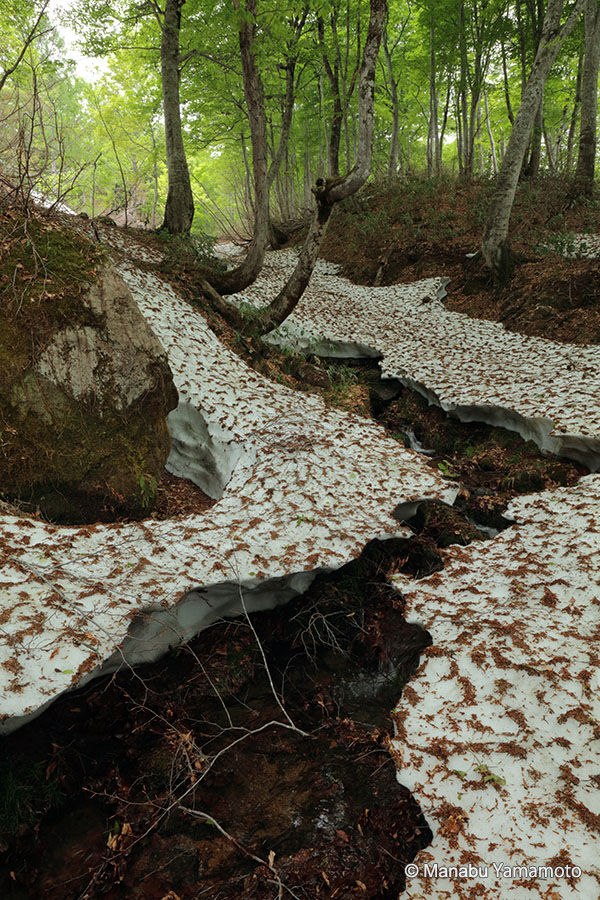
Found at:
<point>209,774</point>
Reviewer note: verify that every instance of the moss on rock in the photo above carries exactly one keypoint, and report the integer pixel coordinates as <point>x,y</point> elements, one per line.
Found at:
<point>85,385</point>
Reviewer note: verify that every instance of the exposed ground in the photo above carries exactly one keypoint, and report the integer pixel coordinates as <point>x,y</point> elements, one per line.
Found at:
<point>427,228</point>
<point>95,795</point>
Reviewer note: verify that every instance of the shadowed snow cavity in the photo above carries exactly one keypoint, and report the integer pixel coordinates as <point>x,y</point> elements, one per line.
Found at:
<point>198,454</point>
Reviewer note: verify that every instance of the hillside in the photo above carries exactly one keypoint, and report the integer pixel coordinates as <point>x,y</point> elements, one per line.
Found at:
<point>319,482</point>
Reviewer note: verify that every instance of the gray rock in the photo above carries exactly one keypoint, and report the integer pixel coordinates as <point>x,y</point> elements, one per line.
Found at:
<point>86,416</point>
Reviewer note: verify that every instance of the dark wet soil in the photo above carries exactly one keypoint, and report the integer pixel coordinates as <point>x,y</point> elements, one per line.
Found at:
<point>186,779</point>
<point>491,465</point>
<point>183,776</point>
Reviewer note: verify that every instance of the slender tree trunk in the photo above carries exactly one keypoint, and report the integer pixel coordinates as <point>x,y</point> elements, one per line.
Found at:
<point>586,160</point>
<point>247,272</point>
<point>495,246</point>
<point>532,168</point>
<point>247,182</point>
<point>574,115</point>
<point>490,134</point>
<point>335,129</point>
<point>509,109</point>
<point>263,175</point>
<point>433,156</point>
<point>154,180</point>
<point>306,185</point>
<point>329,191</point>
<point>393,89</point>
<point>480,142</point>
<point>335,135</point>
<point>179,208</point>
<point>441,133</point>
<point>466,136</point>
<point>522,48</point>
<point>549,150</point>
<point>459,139</point>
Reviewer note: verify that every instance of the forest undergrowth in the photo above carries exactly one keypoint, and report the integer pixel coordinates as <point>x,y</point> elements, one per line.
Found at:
<point>425,227</point>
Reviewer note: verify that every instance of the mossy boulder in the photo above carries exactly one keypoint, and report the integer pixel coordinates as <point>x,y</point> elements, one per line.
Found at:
<point>85,385</point>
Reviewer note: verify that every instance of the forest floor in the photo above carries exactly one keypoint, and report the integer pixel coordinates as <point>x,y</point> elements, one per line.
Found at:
<point>169,782</point>
<point>428,228</point>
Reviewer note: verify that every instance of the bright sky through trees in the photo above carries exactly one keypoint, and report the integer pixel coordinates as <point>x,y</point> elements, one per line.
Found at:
<point>87,67</point>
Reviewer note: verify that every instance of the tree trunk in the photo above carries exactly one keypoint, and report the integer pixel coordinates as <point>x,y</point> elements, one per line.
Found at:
<point>549,150</point>
<point>325,140</point>
<point>393,93</point>
<point>495,246</point>
<point>480,142</point>
<point>573,123</point>
<point>586,160</point>
<point>247,272</point>
<point>335,130</point>
<point>248,195</point>
<point>459,140</point>
<point>330,191</point>
<point>509,110</point>
<point>532,168</point>
<point>306,195</point>
<point>522,49</point>
<point>466,141</point>
<point>179,208</point>
<point>264,233</point>
<point>490,134</point>
<point>433,153</point>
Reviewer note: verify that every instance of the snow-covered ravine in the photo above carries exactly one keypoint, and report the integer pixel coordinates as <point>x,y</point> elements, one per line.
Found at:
<point>499,729</point>
<point>475,369</point>
<point>301,488</point>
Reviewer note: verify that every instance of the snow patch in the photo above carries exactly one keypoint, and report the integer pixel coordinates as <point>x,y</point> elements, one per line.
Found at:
<point>497,733</point>
<point>474,369</point>
<point>301,487</point>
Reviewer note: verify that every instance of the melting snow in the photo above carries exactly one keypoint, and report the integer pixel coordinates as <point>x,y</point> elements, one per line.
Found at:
<point>499,730</point>
<point>302,487</point>
<point>548,392</point>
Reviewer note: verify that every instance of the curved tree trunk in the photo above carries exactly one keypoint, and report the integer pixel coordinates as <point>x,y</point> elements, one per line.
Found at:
<point>327,192</point>
<point>263,174</point>
<point>179,208</point>
<point>586,160</point>
<point>330,191</point>
<point>247,272</point>
<point>495,246</point>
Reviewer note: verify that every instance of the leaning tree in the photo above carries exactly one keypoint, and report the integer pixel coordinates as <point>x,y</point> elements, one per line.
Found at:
<point>495,246</point>
<point>327,192</point>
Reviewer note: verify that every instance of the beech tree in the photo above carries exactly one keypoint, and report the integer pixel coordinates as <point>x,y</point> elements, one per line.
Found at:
<point>496,245</point>
<point>327,192</point>
<point>586,160</point>
<point>179,208</point>
<point>259,100</point>
<point>263,172</point>
<point>152,28</point>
